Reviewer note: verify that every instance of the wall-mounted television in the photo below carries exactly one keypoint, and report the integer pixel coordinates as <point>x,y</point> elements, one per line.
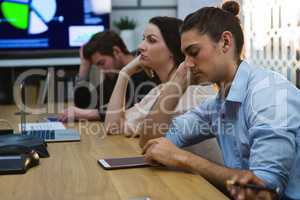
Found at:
<point>49,28</point>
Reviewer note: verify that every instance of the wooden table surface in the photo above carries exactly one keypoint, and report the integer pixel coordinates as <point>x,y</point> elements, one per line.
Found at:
<point>72,172</point>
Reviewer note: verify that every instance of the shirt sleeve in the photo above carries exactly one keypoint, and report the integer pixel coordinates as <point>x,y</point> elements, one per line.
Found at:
<point>191,127</point>
<point>137,114</point>
<point>273,124</point>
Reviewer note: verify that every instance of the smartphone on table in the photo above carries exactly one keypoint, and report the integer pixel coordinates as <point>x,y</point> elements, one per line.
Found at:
<point>122,163</point>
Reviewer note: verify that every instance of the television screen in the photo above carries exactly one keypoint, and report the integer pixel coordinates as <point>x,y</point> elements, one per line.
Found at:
<point>50,25</point>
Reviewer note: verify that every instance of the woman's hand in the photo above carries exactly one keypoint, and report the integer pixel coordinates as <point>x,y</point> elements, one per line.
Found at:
<point>183,75</point>
<point>133,67</point>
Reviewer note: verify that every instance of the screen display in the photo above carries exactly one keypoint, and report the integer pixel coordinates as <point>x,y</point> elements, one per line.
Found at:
<point>130,161</point>
<point>50,24</point>
<point>119,163</point>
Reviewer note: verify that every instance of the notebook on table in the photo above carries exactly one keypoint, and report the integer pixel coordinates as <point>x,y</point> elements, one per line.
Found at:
<point>51,132</point>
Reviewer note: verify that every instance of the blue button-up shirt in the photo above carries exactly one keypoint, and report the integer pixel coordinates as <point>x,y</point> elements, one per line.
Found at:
<point>257,126</point>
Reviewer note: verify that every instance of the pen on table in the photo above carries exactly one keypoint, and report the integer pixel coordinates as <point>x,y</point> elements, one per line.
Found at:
<point>252,186</point>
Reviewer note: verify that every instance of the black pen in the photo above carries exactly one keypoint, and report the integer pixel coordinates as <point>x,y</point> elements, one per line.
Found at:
<point>253,186</point>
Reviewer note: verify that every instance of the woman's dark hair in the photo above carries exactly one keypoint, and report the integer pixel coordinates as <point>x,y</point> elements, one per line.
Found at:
<point>103,42</point>
<point>170,31</point>
<point>214,21</point>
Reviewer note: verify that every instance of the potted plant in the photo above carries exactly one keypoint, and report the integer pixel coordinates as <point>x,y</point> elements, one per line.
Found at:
<point>127,33</point>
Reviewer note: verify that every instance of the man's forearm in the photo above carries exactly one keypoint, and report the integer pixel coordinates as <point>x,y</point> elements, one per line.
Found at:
<point>92,114</point>
<point>214,173</point>
<point>83,70</point>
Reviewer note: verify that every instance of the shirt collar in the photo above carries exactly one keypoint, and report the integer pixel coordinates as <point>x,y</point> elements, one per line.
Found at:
<point>238,89</point>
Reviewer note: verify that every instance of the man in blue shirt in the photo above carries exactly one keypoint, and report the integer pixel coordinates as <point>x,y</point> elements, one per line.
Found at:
<point>255,117</point>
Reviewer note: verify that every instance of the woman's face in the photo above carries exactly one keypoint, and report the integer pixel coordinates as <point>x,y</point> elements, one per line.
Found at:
<point>203,56</point>
<point>153,49</point>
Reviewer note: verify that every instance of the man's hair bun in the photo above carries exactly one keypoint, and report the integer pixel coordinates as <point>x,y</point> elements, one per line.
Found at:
<point>232,7</point>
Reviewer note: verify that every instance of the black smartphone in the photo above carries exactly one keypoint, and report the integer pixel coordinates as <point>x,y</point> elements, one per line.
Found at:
<point>121,163</point>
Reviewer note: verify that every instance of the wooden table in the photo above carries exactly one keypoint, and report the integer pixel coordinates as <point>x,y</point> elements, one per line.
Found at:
<point>72,172</point>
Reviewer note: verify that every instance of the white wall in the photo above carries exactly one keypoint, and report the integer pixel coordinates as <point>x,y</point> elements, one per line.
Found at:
<point>142,11</point>
<point>186,7</point>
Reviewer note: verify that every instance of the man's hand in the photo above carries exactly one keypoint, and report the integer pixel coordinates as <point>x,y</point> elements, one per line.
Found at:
<point>84,61</point>
<point>71,113</point>
<point>164,152</point>
<point>243,193</point>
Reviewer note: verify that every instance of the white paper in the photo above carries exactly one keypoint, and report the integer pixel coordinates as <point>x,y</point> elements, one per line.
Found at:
<point>43,126</point>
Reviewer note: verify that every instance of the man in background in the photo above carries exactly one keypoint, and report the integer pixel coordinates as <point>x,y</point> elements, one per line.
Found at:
<point>107,51</point>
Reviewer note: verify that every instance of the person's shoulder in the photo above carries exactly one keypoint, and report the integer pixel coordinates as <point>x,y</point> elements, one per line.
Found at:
<point>266,86</point>
<point>143,77</point>
<point>264,78</point>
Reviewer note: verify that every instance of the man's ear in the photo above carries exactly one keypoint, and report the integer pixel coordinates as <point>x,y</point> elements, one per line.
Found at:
<point>116,51</point>
<point>227,41</point>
